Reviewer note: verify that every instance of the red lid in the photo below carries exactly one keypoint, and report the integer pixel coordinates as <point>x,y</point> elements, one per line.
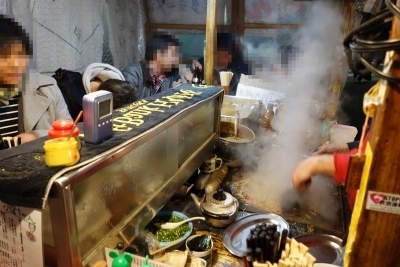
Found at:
<point>54,133</point>
<point>63,125</point>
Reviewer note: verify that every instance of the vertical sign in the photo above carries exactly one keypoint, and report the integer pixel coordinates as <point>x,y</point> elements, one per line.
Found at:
<point>20,236</point>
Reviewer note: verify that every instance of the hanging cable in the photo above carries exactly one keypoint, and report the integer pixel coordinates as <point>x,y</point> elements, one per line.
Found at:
<point>370,38</point>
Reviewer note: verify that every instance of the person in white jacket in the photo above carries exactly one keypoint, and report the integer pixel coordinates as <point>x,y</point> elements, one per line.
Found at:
<point>97,73</point>
<point>40,102</point>
<point>101,76</point>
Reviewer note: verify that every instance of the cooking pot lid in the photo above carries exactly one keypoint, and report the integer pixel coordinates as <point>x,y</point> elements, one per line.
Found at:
<point>220,198</point>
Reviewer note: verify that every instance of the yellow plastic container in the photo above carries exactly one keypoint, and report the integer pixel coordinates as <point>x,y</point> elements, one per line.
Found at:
<point>62,128</point>
<point>61,152</point>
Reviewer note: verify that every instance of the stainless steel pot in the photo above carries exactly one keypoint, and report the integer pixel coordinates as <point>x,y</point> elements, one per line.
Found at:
<point>229,148</point>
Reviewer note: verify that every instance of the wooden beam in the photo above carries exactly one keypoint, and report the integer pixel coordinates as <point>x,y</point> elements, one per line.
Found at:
<point>184,26</point>
<point>211,32</point>
<point>147,29</point>
<point>240,17</point>
<point>177,26</point>
<point>374,235</point>
<point>234,14</point>
<point>270,26</point>
<point>339,69</point>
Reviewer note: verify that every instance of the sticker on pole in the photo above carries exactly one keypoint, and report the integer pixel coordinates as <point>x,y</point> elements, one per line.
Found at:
<point>383,202</point>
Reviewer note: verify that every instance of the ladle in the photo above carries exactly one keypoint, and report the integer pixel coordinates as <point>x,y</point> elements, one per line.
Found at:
<point>173,225</point>
<point>237,116</point>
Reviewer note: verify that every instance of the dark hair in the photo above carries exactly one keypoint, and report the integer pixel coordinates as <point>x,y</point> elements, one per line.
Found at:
<point>288,54</point>
<point>123,92</point>
<point>159,41</point>
<point>11,31</point>
<point>227,41</point>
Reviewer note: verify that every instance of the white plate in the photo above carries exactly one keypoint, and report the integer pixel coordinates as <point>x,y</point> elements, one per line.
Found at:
<point>325,265</point>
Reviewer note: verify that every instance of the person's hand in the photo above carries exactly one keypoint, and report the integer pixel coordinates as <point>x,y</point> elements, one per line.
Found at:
<point>331,148</point>
<point>188,76</point>
<point>27,137</point>
<point>176,83</point>
<point>305,170</point>
<point>195,64</point>
<point>302,174</point>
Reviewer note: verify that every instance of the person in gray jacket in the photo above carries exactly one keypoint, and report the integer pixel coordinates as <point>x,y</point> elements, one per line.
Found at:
<point>40,101</point>
<point>160,70</point>
<point>42,104</point>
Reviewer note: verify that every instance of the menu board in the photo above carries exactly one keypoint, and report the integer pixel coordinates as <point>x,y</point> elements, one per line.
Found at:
<point>266,96</point>
<point>20,236</point>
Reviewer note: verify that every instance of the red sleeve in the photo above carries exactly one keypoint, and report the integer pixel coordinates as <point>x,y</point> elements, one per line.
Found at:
<point>342,160</point>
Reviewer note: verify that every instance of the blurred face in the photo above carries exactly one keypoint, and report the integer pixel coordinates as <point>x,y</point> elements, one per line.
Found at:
<point>169,58</point>
<point>13,64</point>
<point>224,57</point>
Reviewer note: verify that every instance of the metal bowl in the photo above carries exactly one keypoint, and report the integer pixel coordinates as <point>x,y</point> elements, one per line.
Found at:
<point>244,134</point>
<point>325,248</point>
<point>230,148</point>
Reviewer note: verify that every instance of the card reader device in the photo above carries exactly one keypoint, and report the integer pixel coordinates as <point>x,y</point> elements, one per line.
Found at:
<point>97,116</point>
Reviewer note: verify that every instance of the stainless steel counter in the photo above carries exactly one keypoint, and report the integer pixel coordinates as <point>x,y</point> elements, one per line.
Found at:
<point>110,200</point>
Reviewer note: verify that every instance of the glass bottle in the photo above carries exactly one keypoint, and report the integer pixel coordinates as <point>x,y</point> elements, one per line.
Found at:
<point>268,117</point>
<point>196,79</point>
<point>202,79</point>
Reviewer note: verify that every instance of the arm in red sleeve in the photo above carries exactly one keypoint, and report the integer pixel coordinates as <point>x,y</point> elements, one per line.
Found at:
<point>342,160</point>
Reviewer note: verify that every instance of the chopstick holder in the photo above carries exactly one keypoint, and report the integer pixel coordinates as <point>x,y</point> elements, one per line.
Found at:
<point>225,78</point>
<point>8,142</point>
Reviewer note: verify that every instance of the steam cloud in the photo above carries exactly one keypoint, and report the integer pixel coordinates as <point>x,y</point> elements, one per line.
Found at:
<point>307,77</point>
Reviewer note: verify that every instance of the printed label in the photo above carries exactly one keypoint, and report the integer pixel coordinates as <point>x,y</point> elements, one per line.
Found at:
<point>383,202</point>
<point>136,113</point>
<point>20,236</point>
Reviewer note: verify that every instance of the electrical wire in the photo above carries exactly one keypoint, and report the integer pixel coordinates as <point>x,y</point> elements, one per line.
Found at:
<point>366,40</point>
<point>375,24</point>
<point>393,8</point>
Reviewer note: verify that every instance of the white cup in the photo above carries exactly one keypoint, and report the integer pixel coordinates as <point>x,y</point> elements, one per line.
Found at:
<point>342,134</point>
<point>205,255</point>
<point>211,164</point>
